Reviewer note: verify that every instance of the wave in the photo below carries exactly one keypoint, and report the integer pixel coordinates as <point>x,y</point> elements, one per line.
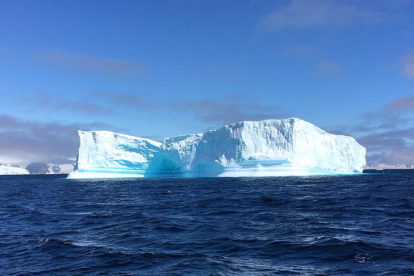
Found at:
<point>241,226</point>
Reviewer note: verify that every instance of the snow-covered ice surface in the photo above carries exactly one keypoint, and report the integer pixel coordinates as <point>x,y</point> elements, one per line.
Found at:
<point>9,170</point>
<point>249,148</point>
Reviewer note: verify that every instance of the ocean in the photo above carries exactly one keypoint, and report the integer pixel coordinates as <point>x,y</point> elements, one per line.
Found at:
<point>330,225</point>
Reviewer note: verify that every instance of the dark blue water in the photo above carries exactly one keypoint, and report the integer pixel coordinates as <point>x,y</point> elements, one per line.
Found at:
<point>343,225</point>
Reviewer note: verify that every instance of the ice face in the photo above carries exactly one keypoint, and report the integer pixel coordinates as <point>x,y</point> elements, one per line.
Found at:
<point>249,148</point>
<point>8,170</point>
<point>108,154</point>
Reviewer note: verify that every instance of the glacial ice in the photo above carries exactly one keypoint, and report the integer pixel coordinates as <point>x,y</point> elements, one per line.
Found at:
<point>9,170</point>
<point>250,148</point>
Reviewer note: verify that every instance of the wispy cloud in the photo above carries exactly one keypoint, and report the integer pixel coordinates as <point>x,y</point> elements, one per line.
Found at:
<point>401,104</point>
<point>301,14</point>
<point>4,51</point>
<point>211,111</point>
<point>408,66</point>
<point>329,67</point>
<point>393,139</point>
<point>120,98</point>
<point>27,140</point>
<point>91,64</point>
<point>126,99</point>
<point>64,105</point>
<point>229,109</point>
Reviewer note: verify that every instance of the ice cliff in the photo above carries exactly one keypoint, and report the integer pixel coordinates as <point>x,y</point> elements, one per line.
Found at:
<point>249,148</point>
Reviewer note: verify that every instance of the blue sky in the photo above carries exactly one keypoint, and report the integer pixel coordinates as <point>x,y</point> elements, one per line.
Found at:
<point>164,68</point>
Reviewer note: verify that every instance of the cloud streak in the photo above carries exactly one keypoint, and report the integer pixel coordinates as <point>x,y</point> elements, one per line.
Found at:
<point>307,14</point>
<point>81,106</point>
<point>123,99</point>
<point>91,64</point>
<point>211,111</point>
<point>329,67</point>
<point>408,66</point>
<point>401,104</point>
<point>224,111</point>
<point>205,110</point>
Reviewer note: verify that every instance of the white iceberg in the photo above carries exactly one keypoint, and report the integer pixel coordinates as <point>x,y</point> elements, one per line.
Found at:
<point>249,148</point>
<point>9,170</point>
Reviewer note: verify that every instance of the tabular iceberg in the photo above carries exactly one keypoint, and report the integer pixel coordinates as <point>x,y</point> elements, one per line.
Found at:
<point>249,148</point>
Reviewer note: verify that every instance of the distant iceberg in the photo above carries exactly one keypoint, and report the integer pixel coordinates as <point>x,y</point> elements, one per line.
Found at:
<point>284,147</point>
<point>9,170</point>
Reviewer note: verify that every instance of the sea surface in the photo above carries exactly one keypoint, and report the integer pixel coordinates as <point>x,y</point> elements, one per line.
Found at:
<point>330,225</point>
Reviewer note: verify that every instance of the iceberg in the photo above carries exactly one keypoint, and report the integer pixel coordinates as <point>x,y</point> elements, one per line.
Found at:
<point>285,147</point>
<point>9,170</point>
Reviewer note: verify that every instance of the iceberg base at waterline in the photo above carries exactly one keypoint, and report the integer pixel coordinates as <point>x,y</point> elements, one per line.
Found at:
<point>285,147</point>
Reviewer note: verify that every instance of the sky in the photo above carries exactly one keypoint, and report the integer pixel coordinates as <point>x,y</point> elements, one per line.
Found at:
<point>158,69</point>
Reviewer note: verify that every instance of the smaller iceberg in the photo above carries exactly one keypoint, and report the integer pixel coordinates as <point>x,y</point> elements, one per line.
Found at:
<point>250,148</point>
<point>9,170</point>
